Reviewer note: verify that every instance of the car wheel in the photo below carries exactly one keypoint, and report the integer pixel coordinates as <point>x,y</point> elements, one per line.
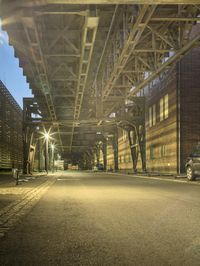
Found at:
<point>190,173</point>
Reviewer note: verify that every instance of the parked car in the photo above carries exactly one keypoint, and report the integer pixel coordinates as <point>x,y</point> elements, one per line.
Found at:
<point>98,167</point>
<point>193,164</point>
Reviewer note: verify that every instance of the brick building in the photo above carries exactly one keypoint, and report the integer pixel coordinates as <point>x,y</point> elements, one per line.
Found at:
<point>173,116</point>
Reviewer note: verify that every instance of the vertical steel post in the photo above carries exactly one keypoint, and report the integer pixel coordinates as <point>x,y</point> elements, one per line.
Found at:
<point>52,158</point>
<point>105,154</point>
<point>115,148</point>
<point>46,155</point>
<point>133,146</point>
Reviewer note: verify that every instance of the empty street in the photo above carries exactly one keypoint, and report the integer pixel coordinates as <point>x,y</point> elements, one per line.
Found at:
<point>86,218</point>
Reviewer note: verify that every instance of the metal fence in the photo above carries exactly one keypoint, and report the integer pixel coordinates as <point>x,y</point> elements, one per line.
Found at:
<point>11,152</point>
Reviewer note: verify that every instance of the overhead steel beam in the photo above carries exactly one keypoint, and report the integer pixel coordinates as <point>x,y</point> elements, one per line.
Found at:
<point>139,26</point>
<point>137,43</point>
<point>75,146</point>
<point>88,40</point>
<point>30,3</point>
<point>79,13</point>
<point>78,123</point>
<point>62,55</point>
<point>154,48</point>
<point>168,63</point>
<point>40,65</point>
<point>180,19</point>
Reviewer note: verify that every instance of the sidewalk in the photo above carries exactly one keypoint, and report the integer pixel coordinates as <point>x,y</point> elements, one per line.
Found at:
<point>16,200</point>
<point>10,192</point>
<point>7,177</point>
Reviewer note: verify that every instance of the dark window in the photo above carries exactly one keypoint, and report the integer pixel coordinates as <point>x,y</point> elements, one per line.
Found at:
<point>196,150</point>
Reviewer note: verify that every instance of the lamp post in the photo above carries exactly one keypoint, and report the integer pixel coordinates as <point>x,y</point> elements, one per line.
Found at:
<point>46,136</point>
<point>52,156</point>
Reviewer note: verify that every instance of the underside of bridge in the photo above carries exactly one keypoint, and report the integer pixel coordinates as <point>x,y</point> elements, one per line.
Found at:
<point>89,63</point>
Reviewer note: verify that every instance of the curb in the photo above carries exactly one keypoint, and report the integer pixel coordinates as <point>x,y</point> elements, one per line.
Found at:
<point>175,180</point>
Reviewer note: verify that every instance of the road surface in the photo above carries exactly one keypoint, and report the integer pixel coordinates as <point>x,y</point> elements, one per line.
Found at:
<point>82,218</point>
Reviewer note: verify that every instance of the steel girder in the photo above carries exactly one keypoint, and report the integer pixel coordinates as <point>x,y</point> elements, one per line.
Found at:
<point>88,40</point>
<point>128,47</point>
<point>154,38</point>
<point>30,3</point>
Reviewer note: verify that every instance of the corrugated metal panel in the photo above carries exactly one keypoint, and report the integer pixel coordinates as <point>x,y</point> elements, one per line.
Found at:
<point>10,130</point>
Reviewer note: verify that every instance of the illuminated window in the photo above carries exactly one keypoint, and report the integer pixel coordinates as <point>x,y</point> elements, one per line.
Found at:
<point>161,109</point>
<point>124,135</point>
<point>157,152</point>
<point>152,152</point>
<point>164,107</point>
<point>163,151</point>
<point>166,101</point>
<point>152,115</point>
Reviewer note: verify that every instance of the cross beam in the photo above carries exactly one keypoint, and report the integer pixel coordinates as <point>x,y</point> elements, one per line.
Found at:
<point>30,3</point>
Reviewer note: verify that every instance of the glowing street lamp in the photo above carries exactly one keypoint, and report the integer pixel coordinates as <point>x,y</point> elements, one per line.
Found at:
<point>47,136</point>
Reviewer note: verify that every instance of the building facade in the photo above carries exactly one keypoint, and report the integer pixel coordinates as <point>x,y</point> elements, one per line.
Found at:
<point>11,151</point>
<point>173,115</point>
<point>172,120</point>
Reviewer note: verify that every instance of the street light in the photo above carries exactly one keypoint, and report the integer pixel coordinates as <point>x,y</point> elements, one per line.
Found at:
<point>52,156</point>
<point>46,136</point>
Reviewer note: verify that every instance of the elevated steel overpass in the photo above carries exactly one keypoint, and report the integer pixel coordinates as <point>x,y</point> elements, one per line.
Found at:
<point>88,61</point>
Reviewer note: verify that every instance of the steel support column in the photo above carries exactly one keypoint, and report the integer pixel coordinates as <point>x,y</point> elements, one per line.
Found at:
<point>115,149</point>
<point>104,150</point>
<point>132,136</point>
<point>142,146</point>
<point>40,156</point>
<point>27,142</point>
<point>136,137</point>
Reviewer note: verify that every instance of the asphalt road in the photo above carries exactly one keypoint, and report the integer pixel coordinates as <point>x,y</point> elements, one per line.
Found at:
<point>107,219</point>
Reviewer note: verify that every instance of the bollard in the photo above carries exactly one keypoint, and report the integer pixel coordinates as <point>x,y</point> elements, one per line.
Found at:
<point>17,177</point>
<point>15,173</point>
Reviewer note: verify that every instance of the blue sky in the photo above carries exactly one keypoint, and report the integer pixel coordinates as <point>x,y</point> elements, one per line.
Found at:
<point>10,72</point>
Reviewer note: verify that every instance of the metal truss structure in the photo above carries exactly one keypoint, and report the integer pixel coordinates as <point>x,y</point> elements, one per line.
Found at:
<point>85,60</point>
